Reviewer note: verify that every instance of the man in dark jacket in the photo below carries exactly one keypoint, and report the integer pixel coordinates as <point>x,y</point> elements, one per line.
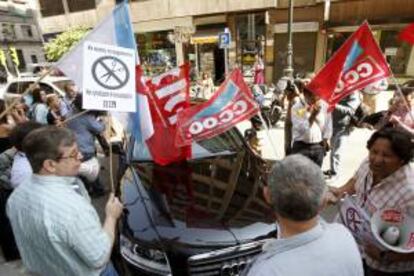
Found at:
<point>341,128</point>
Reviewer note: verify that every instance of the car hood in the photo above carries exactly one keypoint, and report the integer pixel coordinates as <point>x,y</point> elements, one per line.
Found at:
<point>210,201</point>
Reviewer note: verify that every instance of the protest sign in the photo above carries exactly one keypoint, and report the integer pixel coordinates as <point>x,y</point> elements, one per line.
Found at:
<point>108,77</point>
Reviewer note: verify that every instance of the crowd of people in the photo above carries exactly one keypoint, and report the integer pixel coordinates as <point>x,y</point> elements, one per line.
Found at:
<point>46,214</point>
<point>47,218</point>
<point>296,185</point>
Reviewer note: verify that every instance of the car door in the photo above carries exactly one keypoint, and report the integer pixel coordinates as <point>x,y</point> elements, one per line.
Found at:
<point>17,88</point>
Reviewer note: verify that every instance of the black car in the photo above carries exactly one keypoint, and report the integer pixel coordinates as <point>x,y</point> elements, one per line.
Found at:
<point>206,216</point>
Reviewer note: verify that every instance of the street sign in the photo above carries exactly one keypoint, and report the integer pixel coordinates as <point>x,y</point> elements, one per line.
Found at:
<point>108,77</point>
<point>224,40</point>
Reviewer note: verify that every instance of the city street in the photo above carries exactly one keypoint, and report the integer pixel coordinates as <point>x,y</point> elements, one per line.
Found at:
<point>354,152</point>
<point>172,72</point>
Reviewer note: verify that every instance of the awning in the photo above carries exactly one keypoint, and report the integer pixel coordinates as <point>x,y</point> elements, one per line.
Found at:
<point>205,36</point>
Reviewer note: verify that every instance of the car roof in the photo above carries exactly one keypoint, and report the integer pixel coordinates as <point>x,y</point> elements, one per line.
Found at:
<point>35,78</point>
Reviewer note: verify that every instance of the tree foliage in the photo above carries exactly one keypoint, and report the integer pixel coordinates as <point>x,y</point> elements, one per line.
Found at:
<point>62,43</point>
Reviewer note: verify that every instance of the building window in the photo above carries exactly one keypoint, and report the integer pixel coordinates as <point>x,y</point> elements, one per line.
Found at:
<point>250,36</point>
<point>304,46</point>
<point>21,59</point>
<point>398,54</point>
<point>51,7</point>
<point>156,52</point>
<point>81,5</point>
<point>34,58</point>
<point>26,30</point>
<point>8,31</point>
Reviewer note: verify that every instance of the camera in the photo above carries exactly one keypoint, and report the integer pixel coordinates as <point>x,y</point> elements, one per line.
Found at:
<point>290,86</point>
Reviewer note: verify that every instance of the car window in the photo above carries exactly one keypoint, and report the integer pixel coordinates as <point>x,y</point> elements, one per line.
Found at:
<point>18,87</point>
<point>61,84</point>
<point>47,88</point>
<point>226,143</point>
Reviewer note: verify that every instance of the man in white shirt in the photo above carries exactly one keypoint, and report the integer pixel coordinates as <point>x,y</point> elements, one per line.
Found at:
<point>311,127</point>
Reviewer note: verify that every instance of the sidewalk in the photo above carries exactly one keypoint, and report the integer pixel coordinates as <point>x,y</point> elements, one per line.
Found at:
<point>14,268</point>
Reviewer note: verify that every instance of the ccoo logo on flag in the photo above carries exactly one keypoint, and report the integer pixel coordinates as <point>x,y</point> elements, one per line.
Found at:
<point>360,69</point>
<point>358,63</point>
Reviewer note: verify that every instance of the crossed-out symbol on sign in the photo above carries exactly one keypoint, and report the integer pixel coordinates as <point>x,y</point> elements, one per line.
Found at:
<point>353,220</point>
<point>110,72</point>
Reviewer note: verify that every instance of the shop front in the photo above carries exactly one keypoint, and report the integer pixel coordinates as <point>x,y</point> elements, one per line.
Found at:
<point>386,19</point>
<point>250,39</point>
<point>157,52</point>
<point>205,54</point>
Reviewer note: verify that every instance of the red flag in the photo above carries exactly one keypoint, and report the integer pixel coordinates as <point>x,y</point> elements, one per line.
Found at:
<point>169,94</point>
<point>355,65</point>
<point>407,34</point>
<point>233,102</point>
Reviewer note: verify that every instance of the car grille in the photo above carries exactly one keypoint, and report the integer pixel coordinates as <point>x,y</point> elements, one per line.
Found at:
<point>224,262</point>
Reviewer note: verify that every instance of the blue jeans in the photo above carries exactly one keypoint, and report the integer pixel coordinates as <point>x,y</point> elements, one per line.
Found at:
<point>337,145</point>
<point>109,270</point>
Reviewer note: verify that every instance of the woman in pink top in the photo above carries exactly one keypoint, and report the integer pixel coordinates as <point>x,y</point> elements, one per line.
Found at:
<point>258,70</point>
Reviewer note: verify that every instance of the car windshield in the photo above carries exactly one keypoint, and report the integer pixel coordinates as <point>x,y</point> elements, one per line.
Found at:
<point>228,142</point>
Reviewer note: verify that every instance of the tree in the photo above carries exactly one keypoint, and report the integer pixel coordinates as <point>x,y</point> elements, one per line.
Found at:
<point>62,43</point>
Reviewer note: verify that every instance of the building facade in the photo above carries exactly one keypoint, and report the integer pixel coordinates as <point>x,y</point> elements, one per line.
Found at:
<point>172,31</point>
<point>19,29</point>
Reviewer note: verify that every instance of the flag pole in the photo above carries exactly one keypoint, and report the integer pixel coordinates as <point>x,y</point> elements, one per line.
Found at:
<point>267,131</point>
<point>111,169</point>
<point>26,91</point>
<point>75,116</point>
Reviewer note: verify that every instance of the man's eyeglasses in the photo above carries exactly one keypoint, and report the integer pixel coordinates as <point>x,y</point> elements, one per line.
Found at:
<point>76,154</point>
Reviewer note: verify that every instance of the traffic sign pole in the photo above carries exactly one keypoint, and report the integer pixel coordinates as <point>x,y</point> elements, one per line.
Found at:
<point>226,61</point>
<point>224,43</point>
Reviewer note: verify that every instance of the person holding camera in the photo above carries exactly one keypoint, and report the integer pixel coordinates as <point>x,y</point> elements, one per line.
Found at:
<point>311,127</point>
<point>292,93</point>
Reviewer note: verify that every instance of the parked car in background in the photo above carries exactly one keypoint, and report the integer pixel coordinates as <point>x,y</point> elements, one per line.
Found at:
<point>206,216</point>
<point>53,84</point>
<point>16,87</point>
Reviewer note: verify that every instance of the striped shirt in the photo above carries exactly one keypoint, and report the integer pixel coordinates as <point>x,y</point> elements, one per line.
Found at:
<point>394,192</point>
<point>57,230</point>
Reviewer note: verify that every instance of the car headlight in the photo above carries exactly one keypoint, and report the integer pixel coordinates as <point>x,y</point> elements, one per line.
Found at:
<point>150,260</point>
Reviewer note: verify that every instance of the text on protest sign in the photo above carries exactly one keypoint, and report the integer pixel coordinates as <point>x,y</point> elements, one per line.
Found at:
<point>108,77</point>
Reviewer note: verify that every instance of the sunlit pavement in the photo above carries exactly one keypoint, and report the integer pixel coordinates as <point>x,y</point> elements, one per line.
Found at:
<point>353,154</point>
